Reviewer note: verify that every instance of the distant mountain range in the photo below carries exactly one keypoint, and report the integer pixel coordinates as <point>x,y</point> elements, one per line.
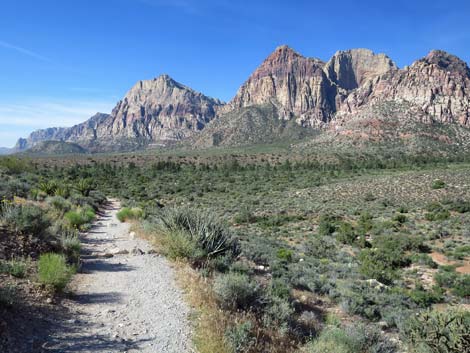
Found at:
<point>289,96</point>
<point>4,150</point>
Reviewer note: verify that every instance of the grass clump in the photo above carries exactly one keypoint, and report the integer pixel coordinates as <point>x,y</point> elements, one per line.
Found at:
<point>127,213</point>
<point>239,337</point>
<point>16,267</point>
<point>53,271</point>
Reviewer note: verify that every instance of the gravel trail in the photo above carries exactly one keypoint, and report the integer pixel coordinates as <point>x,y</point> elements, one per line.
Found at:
<point>124,303</point>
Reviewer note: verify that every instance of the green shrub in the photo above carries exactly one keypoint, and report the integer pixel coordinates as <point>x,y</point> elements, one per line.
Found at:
<point>350,339</point>
<point>15,165</point>
<point>425,298</point>
<point>327,225</point>
<point>77,219</point>
<point>210,237</point>
<point>365,223</point>
<point>381,264</point>
<point>285,254</point>
<point>244,216</point>
<point>438,332</point>
<point>346,233</point>
<point>25,219</point>
<point>127,213</point>
<point>438,184</point>
<point>16,267</point>
<point>8,295</point>
<point>400,218</point>
<point>70,243</point>
<point>239,337</point>
<point>236,291</point>
<point>461,286</point>
<point>177,245</point>
<point>277,312</point>
<point>460,206</point>
<point>53,271</point>
<point>59,203</point>
<point>441,215</point>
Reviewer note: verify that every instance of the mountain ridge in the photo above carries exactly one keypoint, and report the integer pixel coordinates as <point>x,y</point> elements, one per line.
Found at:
<point>308,91</point>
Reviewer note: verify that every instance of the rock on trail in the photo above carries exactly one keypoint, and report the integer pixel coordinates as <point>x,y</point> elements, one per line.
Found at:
<point>124,298</point>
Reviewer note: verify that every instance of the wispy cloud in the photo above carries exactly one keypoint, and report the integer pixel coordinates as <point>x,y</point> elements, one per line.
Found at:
<point>18,119</point>
<point>48,113</point>
<point>23,51</point>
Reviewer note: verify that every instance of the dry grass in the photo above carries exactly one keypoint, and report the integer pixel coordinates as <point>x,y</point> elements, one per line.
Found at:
<point>209,322</point>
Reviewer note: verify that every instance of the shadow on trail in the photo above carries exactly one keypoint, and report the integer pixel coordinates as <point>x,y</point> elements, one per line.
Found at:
<point>97,298</point>
<point>102,266</point>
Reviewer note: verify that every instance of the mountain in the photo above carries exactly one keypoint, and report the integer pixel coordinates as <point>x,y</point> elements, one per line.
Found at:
<point>46,148</point>
<point>296,85</point>
<point>251,125</point>
<point>4,150</point>
<point>84,133</point>
<point>287,97</point>
<point>158,111</point>
<point>439,84</point>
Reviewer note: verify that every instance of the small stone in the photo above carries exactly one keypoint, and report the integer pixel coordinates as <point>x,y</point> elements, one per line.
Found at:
<point>117,251</point>
<point>132,235</point>
<point>137,251</point>
<point>383,325</point>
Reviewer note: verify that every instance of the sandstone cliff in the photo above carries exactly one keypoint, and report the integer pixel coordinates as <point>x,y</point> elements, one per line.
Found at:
<point>156,111</point>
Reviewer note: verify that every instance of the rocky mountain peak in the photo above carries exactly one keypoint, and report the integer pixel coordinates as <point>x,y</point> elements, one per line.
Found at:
<point>447,62</point>
<point>296,84</point>
<point>349,69</point>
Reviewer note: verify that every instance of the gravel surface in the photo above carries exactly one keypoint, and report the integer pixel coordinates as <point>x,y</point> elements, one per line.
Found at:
<point>125,303</point>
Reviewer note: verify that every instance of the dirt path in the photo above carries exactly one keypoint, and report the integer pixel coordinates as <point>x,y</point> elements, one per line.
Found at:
<point>124,303</point>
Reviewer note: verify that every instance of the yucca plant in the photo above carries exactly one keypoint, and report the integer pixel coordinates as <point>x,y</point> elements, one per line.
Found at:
<point>62,191</point>
<point>84,186</point>
<point>210,236</point>
<point>48,187</point>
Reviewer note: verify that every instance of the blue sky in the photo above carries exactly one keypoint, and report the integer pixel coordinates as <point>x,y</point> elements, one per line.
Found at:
<point>63,60</point>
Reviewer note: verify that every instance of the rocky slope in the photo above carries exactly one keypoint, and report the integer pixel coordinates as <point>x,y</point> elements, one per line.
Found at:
<point>286,87</point>
<point>51,147</point>
<point>439,84</point>
<point>156,111</point>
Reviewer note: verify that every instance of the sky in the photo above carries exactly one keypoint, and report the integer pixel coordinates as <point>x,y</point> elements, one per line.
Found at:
<point>61,61</point>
